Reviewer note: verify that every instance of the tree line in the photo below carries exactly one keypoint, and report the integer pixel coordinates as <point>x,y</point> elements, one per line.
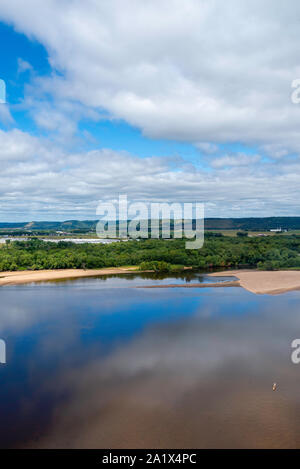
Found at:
<point>268,253</point>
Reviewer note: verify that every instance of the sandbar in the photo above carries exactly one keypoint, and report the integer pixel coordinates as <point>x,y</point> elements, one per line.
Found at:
<point>265,282</point>
<point>29,276</point>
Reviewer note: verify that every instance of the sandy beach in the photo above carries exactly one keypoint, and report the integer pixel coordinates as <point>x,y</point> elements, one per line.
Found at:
<point>261,282</point>
<point>29,276</point>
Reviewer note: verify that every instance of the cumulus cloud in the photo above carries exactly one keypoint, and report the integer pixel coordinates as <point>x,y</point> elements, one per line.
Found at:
<point>196,70</point>
<point>41,181</point>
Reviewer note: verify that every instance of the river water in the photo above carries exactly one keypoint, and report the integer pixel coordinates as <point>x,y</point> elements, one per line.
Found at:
<point>99,363</point>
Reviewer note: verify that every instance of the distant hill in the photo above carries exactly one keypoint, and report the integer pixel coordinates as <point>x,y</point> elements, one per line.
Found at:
<point>254,224</point>
<point>51,225</point>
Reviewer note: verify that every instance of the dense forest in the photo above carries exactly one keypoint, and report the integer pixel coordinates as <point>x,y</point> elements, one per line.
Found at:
<point>272,252</point>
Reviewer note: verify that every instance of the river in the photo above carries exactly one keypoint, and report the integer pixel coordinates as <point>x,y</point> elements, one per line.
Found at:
<point>99,363</point>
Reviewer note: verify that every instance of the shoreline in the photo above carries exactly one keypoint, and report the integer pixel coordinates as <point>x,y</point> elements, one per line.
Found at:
<point>263,282</point>
<point>35,276</point>
<point>229,283</point>
<point>254,281</point>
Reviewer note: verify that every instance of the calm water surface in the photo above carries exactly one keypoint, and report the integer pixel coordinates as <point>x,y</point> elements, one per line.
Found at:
<point>99,363</point>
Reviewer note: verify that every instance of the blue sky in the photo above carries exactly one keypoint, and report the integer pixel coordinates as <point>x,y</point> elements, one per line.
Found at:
<point>111,133</point>
<point>158,108</point>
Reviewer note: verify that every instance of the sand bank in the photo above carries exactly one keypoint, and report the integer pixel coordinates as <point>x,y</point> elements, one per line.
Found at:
<point>29,276</point>
<point>261,282</point>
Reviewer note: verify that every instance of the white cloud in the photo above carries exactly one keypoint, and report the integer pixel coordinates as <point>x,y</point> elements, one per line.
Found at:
<point>206,147</point>
<point>23,65</point>
<point>238,159</point>
<point>18,146</point>
<point>206,72</point>
<point>40,181</point>
<point>195,70</point>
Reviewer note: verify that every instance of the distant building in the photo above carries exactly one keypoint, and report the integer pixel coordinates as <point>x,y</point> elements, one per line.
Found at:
<point>279,230</point>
